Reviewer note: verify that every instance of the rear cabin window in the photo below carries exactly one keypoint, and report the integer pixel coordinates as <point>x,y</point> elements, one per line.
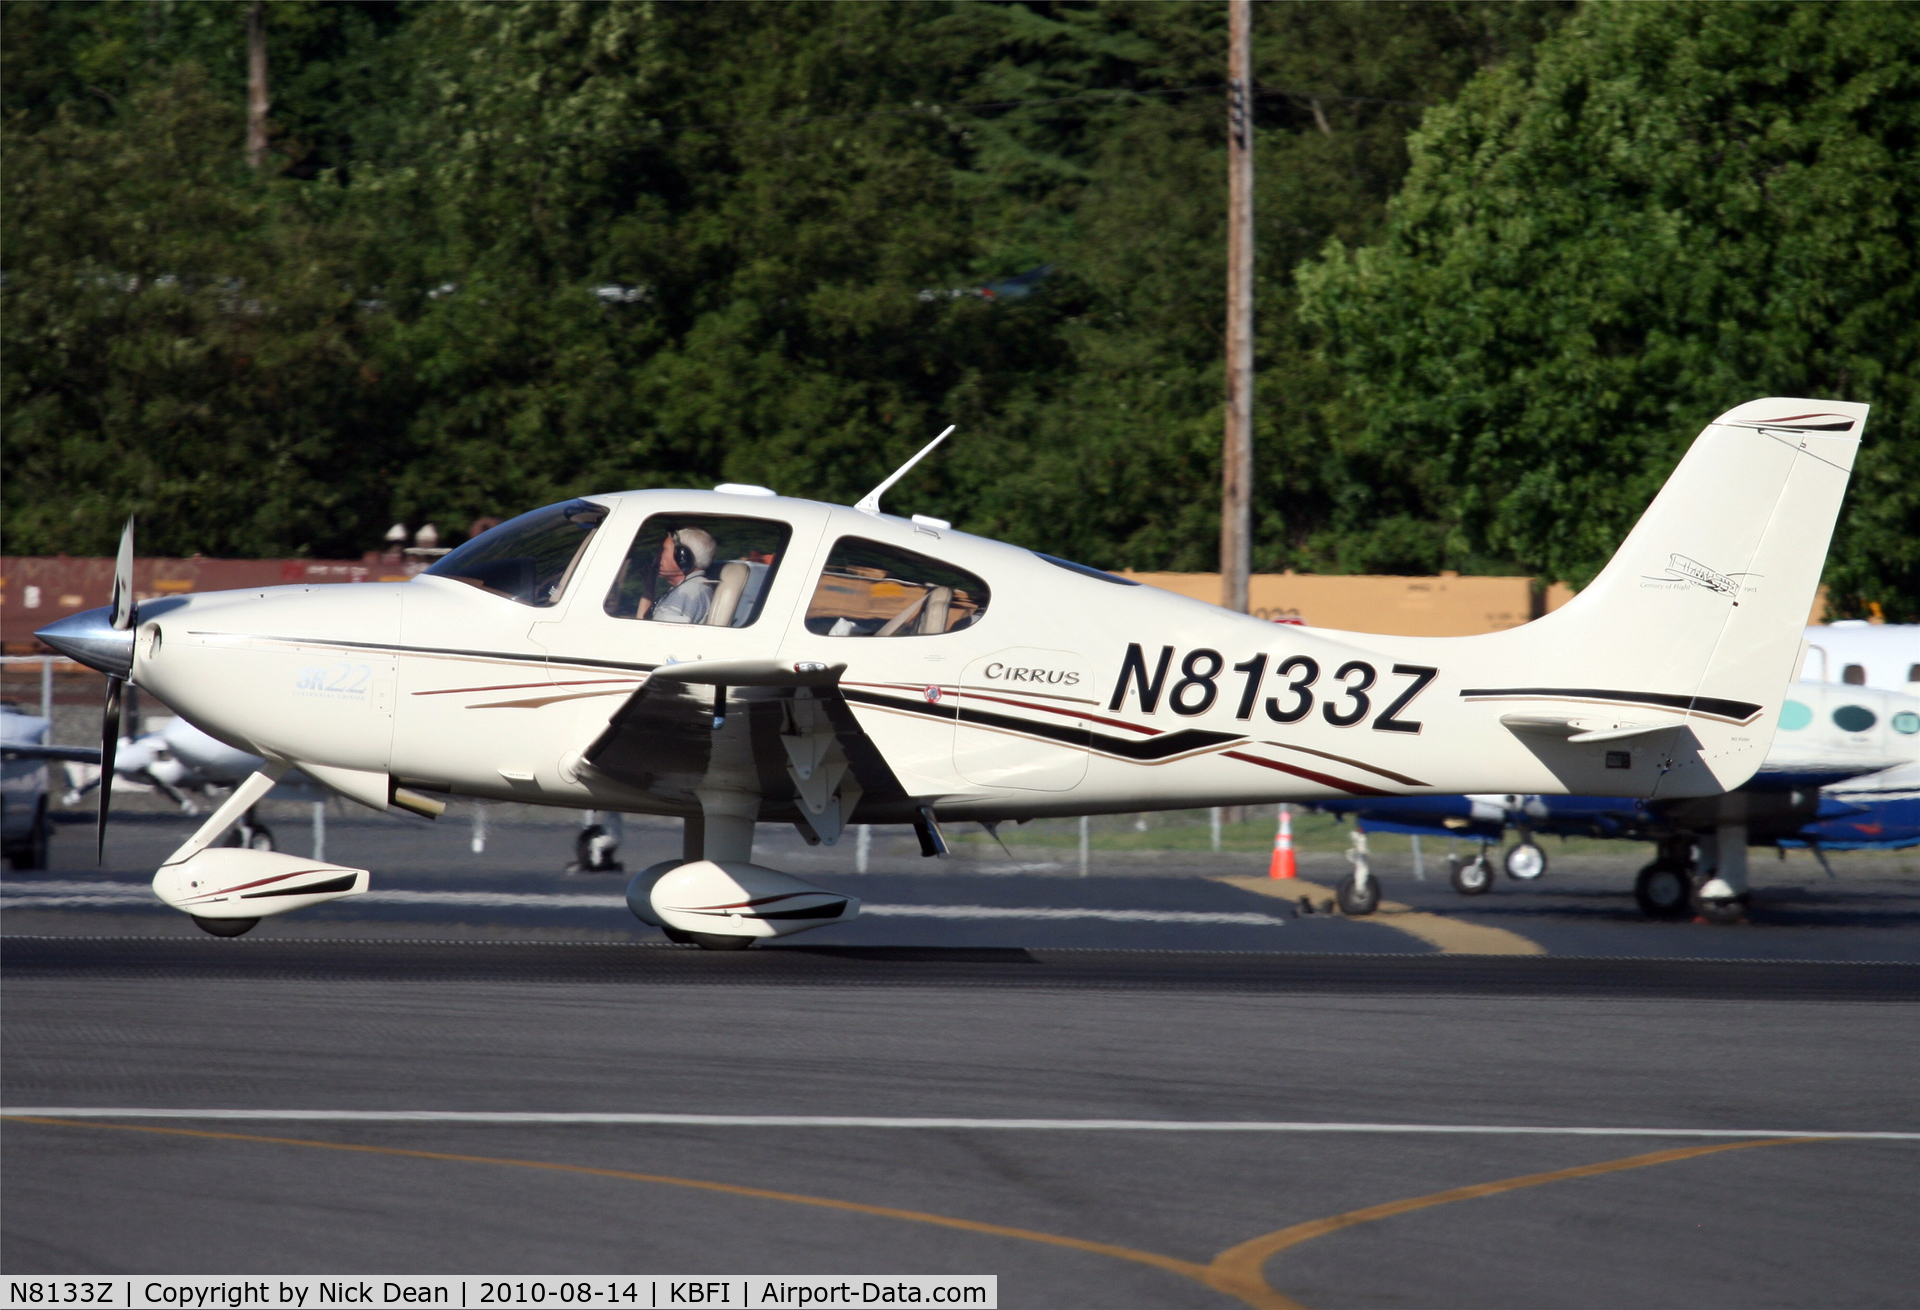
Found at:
<point>710,569</point>
<point>871,590</point>
<point>529,559</point>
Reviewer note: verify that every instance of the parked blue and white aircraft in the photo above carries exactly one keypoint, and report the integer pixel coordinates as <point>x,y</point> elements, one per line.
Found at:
<point>1862,654</point>
<point>1843,774</point>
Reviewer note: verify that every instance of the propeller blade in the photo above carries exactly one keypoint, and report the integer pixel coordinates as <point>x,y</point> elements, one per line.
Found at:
<point>109,746</point>
<point>123,580</point>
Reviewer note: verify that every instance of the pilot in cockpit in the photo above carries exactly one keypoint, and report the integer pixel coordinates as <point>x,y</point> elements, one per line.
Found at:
<point>685,558</point>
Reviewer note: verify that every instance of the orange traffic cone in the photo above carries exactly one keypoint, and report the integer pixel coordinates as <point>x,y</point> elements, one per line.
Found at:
<point>1282,865</point>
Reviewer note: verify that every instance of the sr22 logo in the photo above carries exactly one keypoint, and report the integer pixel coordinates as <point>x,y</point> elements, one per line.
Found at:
<point>1199,686</point>
<point>334,680</point>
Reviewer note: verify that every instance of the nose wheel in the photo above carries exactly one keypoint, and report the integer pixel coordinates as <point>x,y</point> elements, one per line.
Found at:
<point>225,927</point>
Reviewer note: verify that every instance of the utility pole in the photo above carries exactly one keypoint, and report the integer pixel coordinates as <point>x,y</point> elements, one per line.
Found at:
<point>257,85</point>
<point>1236,523</point>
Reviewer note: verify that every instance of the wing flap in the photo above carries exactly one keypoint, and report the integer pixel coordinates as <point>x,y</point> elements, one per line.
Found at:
<point>751,725</point>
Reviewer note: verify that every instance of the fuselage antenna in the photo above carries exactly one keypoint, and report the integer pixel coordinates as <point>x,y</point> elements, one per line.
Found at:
<point>870,503</point>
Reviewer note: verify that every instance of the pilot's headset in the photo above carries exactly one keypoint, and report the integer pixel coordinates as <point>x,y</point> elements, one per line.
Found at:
<point>693,550</point>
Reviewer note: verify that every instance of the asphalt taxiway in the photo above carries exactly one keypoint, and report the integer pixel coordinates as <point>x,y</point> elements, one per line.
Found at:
<point>1172,1090</point>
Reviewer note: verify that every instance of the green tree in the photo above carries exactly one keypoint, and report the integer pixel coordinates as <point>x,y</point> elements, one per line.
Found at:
<point>519,251</point>
<point>1672,209</point>
<point>181,339</point>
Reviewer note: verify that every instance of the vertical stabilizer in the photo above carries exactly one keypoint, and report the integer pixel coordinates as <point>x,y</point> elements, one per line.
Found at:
<point>1697,619</point>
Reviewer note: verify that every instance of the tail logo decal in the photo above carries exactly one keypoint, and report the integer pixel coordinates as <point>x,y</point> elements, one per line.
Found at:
<point>1680,568</point>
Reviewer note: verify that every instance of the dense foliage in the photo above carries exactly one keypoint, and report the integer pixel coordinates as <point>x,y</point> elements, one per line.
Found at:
<point>1672,209</point>
<point>514,251</point>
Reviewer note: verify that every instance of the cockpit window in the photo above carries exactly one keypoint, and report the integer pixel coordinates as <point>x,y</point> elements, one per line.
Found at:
<point>528,559</point>
<point>871,590</point>
<point>712,569</point>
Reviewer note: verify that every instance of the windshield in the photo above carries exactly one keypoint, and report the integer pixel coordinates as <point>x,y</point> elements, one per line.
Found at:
<point>528,559</point>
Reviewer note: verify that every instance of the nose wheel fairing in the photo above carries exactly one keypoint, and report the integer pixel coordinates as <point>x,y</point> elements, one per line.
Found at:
<point>227,883</point>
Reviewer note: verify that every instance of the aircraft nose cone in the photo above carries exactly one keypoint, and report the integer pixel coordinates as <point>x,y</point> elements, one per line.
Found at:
<point>91,638</point>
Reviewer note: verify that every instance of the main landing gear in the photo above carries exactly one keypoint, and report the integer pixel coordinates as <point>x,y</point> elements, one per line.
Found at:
<point>716,898</point>
<point>251,835</point>
<point>1664,888</point>
<point>1472,877</point>
<point>1525,860</point>
<point>595,845</point>
<point>1704,875</point>
<point>707,941</point>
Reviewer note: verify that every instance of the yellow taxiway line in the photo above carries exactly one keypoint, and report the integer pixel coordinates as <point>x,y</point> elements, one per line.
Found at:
<point>1239,1271</point>
<point>1451,935</point>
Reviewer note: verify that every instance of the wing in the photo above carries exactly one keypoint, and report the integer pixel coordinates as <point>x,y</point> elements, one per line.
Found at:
<point>22,750</point>
<point>782,731</point>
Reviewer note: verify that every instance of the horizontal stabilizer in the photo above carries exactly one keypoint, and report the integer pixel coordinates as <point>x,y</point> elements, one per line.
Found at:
<point>1579,731</point>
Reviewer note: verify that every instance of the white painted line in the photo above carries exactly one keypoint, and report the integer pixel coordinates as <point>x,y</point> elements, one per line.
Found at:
<point>870,1121</point>
<point>54,894</point>
<point>527,900</point>
<point>59,902</point>
<point>1037,912</point>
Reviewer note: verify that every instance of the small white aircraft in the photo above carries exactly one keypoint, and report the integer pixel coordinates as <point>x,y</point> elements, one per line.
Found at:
<point>177,759</point>
<point>735,657</point>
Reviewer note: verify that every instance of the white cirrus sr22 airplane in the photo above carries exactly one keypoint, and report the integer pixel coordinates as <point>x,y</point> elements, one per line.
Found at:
<point>736,657</point>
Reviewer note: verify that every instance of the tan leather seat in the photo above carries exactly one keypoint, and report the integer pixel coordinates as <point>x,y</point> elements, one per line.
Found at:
<point>939,602</point>
<point>726,595</point>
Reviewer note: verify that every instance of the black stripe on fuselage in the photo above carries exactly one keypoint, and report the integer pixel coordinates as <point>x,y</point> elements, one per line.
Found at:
<point>1149,750</point>
<point>1738,710</point>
